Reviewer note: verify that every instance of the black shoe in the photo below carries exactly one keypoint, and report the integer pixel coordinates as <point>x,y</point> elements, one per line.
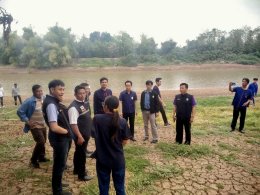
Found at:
<point>145,139</point>
<point>93,155</point>
<point>85,178</point>
<point>89,152</point>
<point>35,165</point>
<point>241,131</point>
<point>232,130</point>
<point>44,160</point>
<point>154,142</point>
<point>133,139</point>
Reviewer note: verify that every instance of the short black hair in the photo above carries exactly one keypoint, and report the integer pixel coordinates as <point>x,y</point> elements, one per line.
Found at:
<point>56,82</point>
<point>129,82</point>
<point>185,84</point>
<point>149,82</point>
<point>77,88</point>
<point>158,79</point>
<point>84,84</point>
<point>103,79</point>
<point>255,79</point>
<point>35,87</point>
<point>246,79</point>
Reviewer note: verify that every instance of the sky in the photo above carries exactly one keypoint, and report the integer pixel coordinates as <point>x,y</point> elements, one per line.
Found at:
<point>179,20</point>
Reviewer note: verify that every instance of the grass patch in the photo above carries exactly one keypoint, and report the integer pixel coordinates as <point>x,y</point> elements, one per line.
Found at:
<point>21,174</point>
<point>228,147</point>
<point>91,188</point>
<point>220,186</point>
<point>231,159</point>
<point>209,167</point>
<point>253,141</point>
<point>188,151</point>
<point>163,172</point>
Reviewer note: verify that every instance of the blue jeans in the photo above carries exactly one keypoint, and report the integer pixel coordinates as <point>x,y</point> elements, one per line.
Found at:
<point>118,175</point>
<point>60,153</point>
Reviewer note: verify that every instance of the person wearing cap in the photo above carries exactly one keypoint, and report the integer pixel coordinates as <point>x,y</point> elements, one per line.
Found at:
<point>241,101</point>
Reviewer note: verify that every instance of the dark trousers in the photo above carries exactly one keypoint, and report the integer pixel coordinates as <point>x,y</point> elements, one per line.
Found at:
<point>39,136</point>
<point>19,98</point>
<point>60,153</point>
<point>79,159</point>
<point>180,123</point>
<point>2,101</point>
<point>118,176</point>
<point>162,111</point>
<point>131,118</point>
<point>236,112</point>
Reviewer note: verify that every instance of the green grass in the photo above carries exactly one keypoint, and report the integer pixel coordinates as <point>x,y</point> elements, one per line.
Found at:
<point>98,62</point>
<point>209,167</point>
<point>187,151</point>
<point>231,158</point>
<point>21,174</point>
<point>228,147</point>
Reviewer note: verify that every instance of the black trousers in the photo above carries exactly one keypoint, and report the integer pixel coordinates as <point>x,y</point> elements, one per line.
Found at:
<point>79,159</point>
<point>19,98</point>
<point>2,101</point>
<point>39,136</point>
<point>180,123</point>
<point>162,111</point>
<point>236,112</point>
<point>131,118</point>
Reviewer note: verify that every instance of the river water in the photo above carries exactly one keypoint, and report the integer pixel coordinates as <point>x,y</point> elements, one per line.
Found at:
<point>197,78</point>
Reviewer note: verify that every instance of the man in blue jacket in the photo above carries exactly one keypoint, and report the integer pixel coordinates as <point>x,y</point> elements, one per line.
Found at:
<point>254,88</point>
<point>241,101</point>
<point>30,112</point>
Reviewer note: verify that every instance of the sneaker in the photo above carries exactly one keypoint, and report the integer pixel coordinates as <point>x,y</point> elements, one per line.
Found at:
<point>154,142</point>
<point>35,165</point>
<point>145,139</point>
<point>89,152</point>
<point>85,178</point>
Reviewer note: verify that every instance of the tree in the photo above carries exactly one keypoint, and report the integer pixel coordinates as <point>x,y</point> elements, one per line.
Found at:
<point>167,47</point>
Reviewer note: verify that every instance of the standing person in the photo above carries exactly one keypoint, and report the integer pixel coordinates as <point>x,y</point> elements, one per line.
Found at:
<point>254,88</point>
<point>183,114</point>
<point>158,83</point>
<point>55,115</point>
<point>111,134</point>
<point>241,101</point>
<point>16,94</point>
<point>87,102</point>
<point>2,92</point>
<point>30,112</point>
<point>150,108</point>
<point>128,99</point>
<point>100,95</point>
<point>80,121</point>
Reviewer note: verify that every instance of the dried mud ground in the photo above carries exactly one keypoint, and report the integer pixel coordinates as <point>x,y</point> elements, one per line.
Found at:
<point>217,162</point>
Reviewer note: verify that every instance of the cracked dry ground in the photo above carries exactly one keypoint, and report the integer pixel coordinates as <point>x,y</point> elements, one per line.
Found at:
<point>223,163</point>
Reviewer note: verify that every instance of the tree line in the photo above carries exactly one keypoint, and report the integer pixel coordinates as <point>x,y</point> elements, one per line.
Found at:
<point>60,47</point>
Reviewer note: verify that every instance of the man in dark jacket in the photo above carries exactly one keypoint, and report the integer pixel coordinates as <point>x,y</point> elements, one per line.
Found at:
<point>183,114</point>
<point>56,117</point>
<point>81,122</point>
<point>150,108</point>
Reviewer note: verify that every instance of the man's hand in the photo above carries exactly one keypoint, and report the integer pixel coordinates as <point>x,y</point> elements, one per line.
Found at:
<point>246,103</point>
<point>80,140</point>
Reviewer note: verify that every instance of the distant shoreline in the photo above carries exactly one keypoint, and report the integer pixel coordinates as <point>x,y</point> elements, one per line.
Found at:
<point>14,69</point>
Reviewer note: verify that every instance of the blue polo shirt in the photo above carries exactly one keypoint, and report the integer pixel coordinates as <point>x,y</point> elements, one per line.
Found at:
<point>241,96</point>
<point>128,101</point>
<point>254,88</point>
<point>157,90</point>
<point>99,98</point>
<point>109,153</point>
